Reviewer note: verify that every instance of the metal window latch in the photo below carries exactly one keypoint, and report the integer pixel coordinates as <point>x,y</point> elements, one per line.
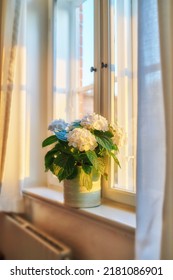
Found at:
<point>104,65</point>
<point>92,69</point>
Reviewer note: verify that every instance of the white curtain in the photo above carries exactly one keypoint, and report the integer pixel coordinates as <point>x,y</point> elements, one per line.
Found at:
<point>166,38</point>
<point>154,234</point>
<point>13,84</point>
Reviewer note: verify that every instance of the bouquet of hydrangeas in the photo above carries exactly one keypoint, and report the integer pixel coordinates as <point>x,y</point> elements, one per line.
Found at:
<point>84,143</point>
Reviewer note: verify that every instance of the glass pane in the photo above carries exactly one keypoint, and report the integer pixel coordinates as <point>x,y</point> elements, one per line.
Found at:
<point>123,88</point>
<point>74,55</point>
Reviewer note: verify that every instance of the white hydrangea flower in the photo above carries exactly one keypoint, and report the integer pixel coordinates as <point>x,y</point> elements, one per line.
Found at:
<point>119,137</point>
<point>82,139</point>
<point>95,121</point>
<point>57,125</point>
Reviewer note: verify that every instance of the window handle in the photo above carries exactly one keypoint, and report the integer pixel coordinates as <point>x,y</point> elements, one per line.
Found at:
<point>104,65</point>
<point>93,69</point>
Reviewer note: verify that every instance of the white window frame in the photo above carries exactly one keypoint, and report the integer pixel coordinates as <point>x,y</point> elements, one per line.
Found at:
<point>115,194</point>
<point>102,86</point>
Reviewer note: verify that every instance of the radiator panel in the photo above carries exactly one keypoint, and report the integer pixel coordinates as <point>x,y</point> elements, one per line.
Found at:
<point>20,240</point>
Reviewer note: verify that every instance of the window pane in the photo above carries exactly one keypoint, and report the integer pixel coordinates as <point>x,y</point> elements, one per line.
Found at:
<point>123,87</point>
<point>74,55</point>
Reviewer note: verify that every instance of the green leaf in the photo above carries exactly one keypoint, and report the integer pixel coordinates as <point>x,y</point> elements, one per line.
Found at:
<point>64,160</point>
<point>103,139</point>
<point>105,142</point>
<point>56,169</point>
<point>86,180</point>
<point>63,148</point>
<point>67,164</point>
<point>74,173</point>
<point>49,159</point>
<point>115,159</point>
<point>82,158</point>
<point>61,174</point>
<point>101,165</point>
<point>87,168</point>
<point>66,173</point>
<point>50,140</point>
<point>92,158</point>
<point>76,124</point>
<point>108,134</point>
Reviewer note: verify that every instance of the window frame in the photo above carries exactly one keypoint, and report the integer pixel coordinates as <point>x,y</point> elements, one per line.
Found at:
<point>102,86</point>
<point>117,195</point>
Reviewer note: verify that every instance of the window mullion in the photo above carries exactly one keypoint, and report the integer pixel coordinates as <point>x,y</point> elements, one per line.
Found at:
<point>97,56</point>
<point>104,57</point>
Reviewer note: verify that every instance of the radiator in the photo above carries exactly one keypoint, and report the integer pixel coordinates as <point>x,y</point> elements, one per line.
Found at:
<point>20,240</point>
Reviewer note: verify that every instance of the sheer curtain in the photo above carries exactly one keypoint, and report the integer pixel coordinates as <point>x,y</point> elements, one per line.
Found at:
<point>12,104</point>
<point>155,131</point>
<point>166,38</point>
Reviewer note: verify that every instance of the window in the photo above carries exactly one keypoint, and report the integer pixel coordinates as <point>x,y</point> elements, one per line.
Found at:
<point>122,57</point>
<point>94,69</point>
<point>74,54</point>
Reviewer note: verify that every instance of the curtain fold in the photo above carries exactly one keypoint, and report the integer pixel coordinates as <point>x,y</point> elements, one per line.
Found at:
<point>154,236</point>
<point>3,9</point>
<point>165,9</point>
<point>12,104</point>
<point>8,59</point>
<point>1,13</point>
<point>151,134</point>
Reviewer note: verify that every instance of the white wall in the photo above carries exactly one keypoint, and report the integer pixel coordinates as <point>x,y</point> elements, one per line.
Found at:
<point>89,238</point>
<point>37,45</point>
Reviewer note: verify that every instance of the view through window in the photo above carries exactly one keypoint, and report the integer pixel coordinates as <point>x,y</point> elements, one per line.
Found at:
<point>74,55</point>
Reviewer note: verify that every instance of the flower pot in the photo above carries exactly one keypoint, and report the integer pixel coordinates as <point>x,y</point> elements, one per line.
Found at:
<point>76,194</point>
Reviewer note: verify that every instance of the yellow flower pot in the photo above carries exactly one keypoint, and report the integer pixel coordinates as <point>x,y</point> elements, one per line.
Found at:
<point>78,196</point>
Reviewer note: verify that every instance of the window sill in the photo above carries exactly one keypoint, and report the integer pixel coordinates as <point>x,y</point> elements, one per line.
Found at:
<point>109,212</point>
